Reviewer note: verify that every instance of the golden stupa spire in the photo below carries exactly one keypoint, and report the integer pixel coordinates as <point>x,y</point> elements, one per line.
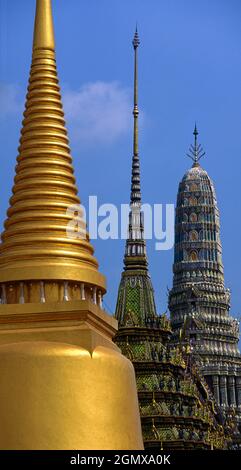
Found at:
<point>64,383</point>
<point>35,246</point>
<point>43,28</point>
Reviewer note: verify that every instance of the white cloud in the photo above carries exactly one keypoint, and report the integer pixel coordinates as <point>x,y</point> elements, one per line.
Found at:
<point>98,112</point>
<point>11,101</point>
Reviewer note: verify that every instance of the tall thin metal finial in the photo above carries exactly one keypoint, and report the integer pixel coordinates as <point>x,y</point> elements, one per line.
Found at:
<point>195,133</point>
<point>135,254</point>
<point>135,181</point>
<point>196,151</point>
<point>135,43</point>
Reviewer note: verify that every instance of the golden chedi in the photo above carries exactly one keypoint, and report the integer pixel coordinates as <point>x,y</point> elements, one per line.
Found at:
<point>63,382</point>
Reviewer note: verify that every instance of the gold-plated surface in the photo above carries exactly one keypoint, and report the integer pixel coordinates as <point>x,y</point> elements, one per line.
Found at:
<point>62,269</point>
<point>63,382</point>
<point>70,322</point>
<point>35,244</point>
<point>43,28</point>
<point>96,409</point>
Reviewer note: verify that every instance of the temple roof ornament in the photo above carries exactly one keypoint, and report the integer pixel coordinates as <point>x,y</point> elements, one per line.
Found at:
<point>135,181</point>
<point>135,253</point>
<point>196,151</point>
<point>135,292</point>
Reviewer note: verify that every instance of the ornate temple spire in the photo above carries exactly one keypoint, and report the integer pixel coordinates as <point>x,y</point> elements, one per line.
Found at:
<point>135,246</point>
<point>196,151</point>
<point>199,303</point>
<point>135,181</point>
<point>35,244</point>
<point>136,295</point>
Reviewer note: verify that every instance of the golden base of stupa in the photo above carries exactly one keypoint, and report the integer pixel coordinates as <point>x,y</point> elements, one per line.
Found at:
<point>63,382</point>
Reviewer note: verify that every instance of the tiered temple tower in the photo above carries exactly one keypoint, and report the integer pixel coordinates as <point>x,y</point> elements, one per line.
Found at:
<point>176,410</point>
<point>63,382</point>
<point>199,303</point>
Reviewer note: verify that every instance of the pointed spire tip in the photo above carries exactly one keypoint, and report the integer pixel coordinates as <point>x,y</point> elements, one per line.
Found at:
<point>195,132</point>
<point>43,29</point>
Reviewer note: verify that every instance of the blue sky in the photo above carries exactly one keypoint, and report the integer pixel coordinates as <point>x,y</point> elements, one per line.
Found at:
<point>189,69</point>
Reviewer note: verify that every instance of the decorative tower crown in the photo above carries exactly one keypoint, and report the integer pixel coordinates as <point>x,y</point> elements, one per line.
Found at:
<point>196,151</point>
